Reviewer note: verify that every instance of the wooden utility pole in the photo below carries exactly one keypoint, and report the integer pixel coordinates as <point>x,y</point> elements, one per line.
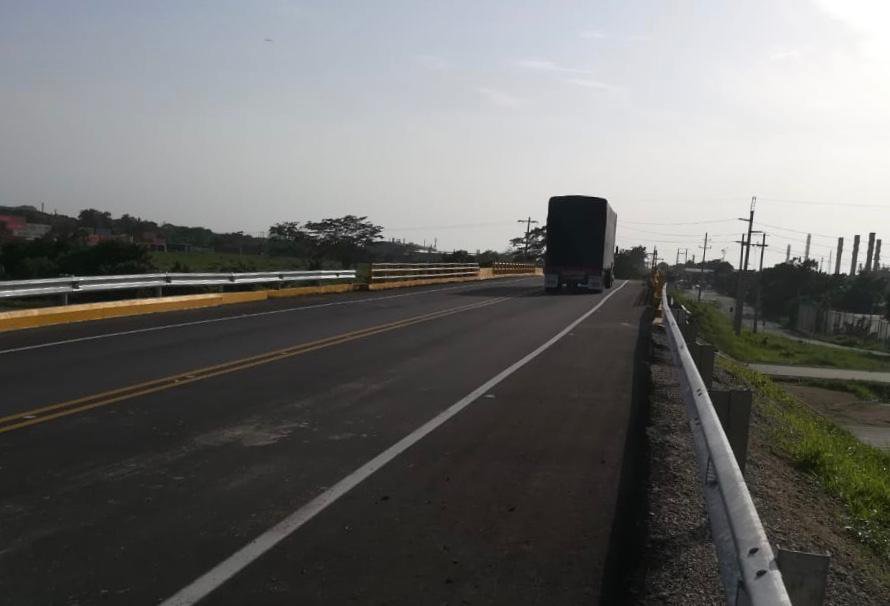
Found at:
<point>762,246</point>
<point>743,268</point>
<point>704,252</point>
<point>528,228</point>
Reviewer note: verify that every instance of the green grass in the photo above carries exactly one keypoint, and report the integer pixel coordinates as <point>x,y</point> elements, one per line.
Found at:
<point>771,348</point>
<point>857,474</point>
<point>224,262</point>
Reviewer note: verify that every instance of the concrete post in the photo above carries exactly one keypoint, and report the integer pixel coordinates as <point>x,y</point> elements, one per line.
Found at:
<point>703,354</point>
<point>805,575</point>
<point>855,258</point>
<point>840,251</point>
<point>870,251</point>
<point>734,411</point>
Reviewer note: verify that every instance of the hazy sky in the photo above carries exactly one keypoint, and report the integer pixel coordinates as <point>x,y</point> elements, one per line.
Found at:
<point>430,115</point>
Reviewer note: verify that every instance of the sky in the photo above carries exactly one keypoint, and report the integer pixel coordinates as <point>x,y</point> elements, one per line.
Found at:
<point>450,121</point>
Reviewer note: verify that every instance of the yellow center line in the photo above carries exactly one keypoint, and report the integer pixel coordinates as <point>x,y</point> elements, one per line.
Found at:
<point>61,409</point>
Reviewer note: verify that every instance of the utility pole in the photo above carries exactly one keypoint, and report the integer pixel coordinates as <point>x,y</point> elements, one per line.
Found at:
<point>746,250</point>
<point>788,254</point>
<point>528,228</point>
<point>762,246</point>
<point>686,256</point>
<point>806,252</point>
<point>704,252</point>
<point>876,263</point>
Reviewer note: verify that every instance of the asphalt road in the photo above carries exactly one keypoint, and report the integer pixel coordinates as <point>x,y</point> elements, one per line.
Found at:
<point>442,445</point>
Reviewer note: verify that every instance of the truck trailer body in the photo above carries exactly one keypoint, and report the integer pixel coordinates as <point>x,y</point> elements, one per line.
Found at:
<point>580,245</point>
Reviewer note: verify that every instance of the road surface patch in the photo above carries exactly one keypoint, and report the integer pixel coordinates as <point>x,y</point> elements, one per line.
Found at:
<point>55,411</point>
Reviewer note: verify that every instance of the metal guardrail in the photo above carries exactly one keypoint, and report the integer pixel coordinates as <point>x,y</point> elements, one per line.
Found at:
<point>748,567</point>
<point>78,284</point>
<point>503,268</point>
<point>389,272</point>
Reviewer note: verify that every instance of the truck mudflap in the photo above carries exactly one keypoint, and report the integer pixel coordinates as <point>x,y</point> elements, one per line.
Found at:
<point>572,278</point>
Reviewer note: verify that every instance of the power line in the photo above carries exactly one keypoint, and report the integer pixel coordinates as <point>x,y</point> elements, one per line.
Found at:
<point>680,222</point>
<point>663,233</point>
<point>797,231</point>
<point>822,203</point>
<point>453,226</point>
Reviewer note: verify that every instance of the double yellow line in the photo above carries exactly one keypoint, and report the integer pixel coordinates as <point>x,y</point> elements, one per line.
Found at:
<point>54,411</point>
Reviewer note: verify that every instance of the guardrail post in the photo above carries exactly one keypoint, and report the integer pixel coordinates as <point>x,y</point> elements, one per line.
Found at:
<point>703,354</point>
<point>159,291</point>
<point>733,407</point>
<point>64,298</point>
<point>805,575</point>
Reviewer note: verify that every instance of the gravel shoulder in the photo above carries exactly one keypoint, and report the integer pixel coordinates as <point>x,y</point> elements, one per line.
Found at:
<point>678,564</point>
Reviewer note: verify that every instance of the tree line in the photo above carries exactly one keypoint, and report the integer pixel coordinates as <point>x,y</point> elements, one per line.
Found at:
<point>786,285</point>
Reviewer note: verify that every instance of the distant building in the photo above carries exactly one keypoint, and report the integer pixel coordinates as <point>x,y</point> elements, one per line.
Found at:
<point>32,231</point>
<point>103,234</point>
<point>13,223</point>
<point>153,240</point>
<point>20,228</point>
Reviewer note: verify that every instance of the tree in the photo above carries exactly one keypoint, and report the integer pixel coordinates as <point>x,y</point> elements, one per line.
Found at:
<point>631,263</point>
<point>458,256</point>
<point>95,219</point>
<point>106,258</point>
<point>531,248</point>
<point>290,239</point>
<point>343,239</point>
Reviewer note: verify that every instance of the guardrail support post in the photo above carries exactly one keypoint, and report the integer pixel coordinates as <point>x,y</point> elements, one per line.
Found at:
<point>733,408</point>
<point>159,291</point>
<point>805,575</point>
<point>703,354</point>
<point>64,298</point>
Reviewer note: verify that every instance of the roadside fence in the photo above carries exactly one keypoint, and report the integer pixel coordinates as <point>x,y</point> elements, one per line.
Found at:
<point>751,572</point>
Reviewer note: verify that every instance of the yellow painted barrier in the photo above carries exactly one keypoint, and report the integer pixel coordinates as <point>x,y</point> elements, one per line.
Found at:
<point>243,297</point>
<point>426,282</point>
<point>48,316</point>
<point>299,291</point>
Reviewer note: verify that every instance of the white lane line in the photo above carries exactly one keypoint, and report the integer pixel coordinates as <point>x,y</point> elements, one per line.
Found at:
<point>240,317</point>
<point>235,563</point>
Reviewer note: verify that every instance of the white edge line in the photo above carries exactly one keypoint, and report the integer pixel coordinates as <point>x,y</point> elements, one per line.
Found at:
<point>228,568</point>
<point>239,317</point>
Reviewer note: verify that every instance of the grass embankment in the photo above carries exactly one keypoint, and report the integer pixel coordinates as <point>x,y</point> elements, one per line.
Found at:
<point>770,348</point>
<point>857,474</point>
<point>222,262</point>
